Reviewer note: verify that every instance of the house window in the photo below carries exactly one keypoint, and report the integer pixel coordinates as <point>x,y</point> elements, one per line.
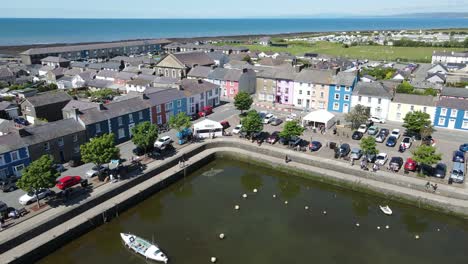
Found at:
<point>336,106</point>
<point>140,115</point>
<point>412,108</point>
<point>441,121</point>
<point>169,106</point>
<point>174,73</point>
<point>75,138</point>
<point>379,101</point>
<point>347,89</point>
<point>443,111</point>
<point>424,109</point>
<point>321,94</point>
<point>337,88</point>
<point>465,125</point>
<point>300,91</point>
<point>286,90</point>
<point>121,133</point>
<point>60,142</point>
<point>454,113</point>
<point>46,146</point>
<point>158,109</point>
<point>14,155</point>
<point>299,101</point>
<point>130,118</point>
<point>120,120</point>
<point>98,128</point>
<point>4,173</point>
<point>286,99</point>
<point>2,160</point>
<point>159,119</point>
<point>398,106</point>
<point>346,97</point>
<point>398,116</point>
<point>202,96</point>
<point>217,91</point>
<point>337,96</point>
<point>76,149</point>
<point>466,115</point>
<point>369,99</point>
<point>179,103</point>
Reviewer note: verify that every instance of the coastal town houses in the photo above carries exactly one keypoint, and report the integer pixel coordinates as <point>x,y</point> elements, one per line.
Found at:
<point>459,93</point>
<point>117,117</point>
<point>177,65</point>
<point>138,85</point>
<point>8,110</point>
<point>340,93</point>
<point>166,103</point>
<point>310,83</point>
<point>438,68</point>
<point>199,94</point>
<point>445,57</point>
<point>200,72</point>
<point>233,81</point>
<point>374,95</point>
<point>403,104</point>
<point>285,87</point>
<point>55,62</point>
<point>46,106</point>
<point>14,155</point>
<point>451,113</point>
<point>266,85</point>
<point>7,76</point>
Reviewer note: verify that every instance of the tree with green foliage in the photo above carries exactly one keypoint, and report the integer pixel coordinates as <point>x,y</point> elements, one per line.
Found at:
<point>380,73</point>
<point>47,87</point>
<point>291,129</point>
<point>252,123</point>
<point>144,135</point>
<point>38,175</point>
<point>405,87</point>
<point>103,94</point>
<point>415,121</point>
<point>357,116</point>
<point>368,145</point>
<point>100,150</point>
<point>243,101</point>
<point>425,154</point>
<point>180,121</point>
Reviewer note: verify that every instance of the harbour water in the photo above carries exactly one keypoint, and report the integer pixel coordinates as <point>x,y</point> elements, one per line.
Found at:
<point>186,219</point>
<point>40,31</point>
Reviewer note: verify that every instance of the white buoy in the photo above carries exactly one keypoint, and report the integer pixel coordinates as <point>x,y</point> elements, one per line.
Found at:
<point>307,207</point>
<point>285,202</point>
<point>274,195</point>
<point>416,236</point>
<point>324,212</point>
<point>378,227</point>
<point>357,224</point>
<point>438,229</point>
<point>255,190</point>
<point>221,236</point>
<point>236,207</point>
<point>244,195</point>
<point>213,259</point>
<point>387,226</point>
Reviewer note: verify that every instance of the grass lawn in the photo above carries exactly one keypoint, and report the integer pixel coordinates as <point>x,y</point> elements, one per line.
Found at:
<point>388,53</point>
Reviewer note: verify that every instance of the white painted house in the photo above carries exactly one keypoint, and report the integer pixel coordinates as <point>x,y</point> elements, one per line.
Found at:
<point>308,85</point>
<point>373,95</point>
<point>403,104</point>
<point>449,57</point>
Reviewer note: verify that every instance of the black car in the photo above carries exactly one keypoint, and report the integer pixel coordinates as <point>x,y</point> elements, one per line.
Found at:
<point>440,170</point>
<point>384,131</point>
<point>294,141</point>
<point>284,140</point>
<point>426,169</point>
<point>395,163</point>
<point>276,122</point>
<point>357,135</point>
<point>429,141</point>
<point>21,121</point>
<point>9,184</point>
<point>343,150</point>
<point>260,136</point>
<point>458,156</point>
<point>315,145</point>
<point>138,151</point>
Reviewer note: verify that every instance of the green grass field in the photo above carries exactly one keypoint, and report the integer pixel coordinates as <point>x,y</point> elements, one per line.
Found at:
<point>388,53</point>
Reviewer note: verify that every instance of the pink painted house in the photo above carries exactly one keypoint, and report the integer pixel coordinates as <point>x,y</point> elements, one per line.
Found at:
<point>285,87</point>
<point>231,81</point>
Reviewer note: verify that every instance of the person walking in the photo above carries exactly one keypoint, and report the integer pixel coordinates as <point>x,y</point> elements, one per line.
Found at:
<point>428,185</point>
<point>2,222</point>
<point>434,187</point>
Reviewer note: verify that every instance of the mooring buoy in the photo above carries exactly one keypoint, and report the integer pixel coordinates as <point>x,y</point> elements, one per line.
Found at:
<point>213,259</point>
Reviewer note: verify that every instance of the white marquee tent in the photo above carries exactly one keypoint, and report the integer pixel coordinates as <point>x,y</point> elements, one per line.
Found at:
<point>208,128</point>
<point>319,117</point>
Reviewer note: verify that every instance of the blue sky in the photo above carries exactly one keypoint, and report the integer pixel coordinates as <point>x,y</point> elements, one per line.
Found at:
<point>221,9</point>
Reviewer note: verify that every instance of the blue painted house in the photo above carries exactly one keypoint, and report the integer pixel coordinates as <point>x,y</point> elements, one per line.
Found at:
<point>452,113</point>
<point>339,95</point>
<point>117,117</point>
<point>14,155</point>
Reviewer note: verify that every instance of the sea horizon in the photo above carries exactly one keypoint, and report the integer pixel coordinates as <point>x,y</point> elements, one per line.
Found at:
<point>35,31</point>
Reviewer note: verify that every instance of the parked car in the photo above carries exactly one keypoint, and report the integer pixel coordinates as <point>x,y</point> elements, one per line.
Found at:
<point>194,117</point>
<point>237,129</point>
<point>458,156</point>
<point>395,163</point>
<point>343,150</point>
<point>67,182</point>
<point>315,145</point>
<point>411,165</point>
<point>384,131</point>
<point>207,110</point>
<point>30,197</point>
<point>425,169</point>
<point>163,141</point>
<point>370,157</point>
<point>356,153</point>
<point>225,124</point>
<point>260,136</point>
<point>464,147</point>
<point>377,119</point>
<point>276,122</point>
<point>3,207</point>
<point>59,167</point>
<point>391,141</point>
<point>357,135</point>
<point>381,159</point>
<point>440,170</point>
<point>396,133</point>
<point>284,141</point>
<point>9,184</point>
<point>291,117</point>
<point>373,130</point>
<point>268,118</point>
<point>382,135</point>
<point>21,121</point>
<point>294,141</point>
<point>138,151</point>
<point>406,142</point>
<point>362,128</point>
<point>429,141</point>
<point>458,172</point>
<point>273,138</point>
<point>94,171</point>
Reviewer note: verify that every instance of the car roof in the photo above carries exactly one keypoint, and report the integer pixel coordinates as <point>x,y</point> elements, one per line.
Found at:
<point>355,149</point>
<point>165,137</point>
<point>382,154</point>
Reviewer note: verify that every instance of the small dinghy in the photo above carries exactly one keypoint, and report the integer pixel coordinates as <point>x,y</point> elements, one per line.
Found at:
<point>143,247</point>
<point>386,210</point>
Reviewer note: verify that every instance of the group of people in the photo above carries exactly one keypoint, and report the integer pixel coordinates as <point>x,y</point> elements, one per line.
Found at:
<point>430,186</point>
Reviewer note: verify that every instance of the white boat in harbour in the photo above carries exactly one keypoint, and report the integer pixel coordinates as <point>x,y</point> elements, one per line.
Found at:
<point>143,247</point>
<point>386,210</point>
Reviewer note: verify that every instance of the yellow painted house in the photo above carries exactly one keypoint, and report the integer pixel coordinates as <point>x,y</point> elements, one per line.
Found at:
<point>405,103</point>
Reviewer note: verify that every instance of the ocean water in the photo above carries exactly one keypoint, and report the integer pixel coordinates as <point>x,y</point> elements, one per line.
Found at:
<point>40,31</point>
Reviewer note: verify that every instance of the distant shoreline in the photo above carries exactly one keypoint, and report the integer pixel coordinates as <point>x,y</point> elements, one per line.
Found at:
<point>14,50</point>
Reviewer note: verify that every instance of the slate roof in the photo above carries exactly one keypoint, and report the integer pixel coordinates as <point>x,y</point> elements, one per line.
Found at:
<point>193,87</point>
<point>125,76</point>
<point>194,58</point>
<point>114,109</point>
<point>99,83</point>
<point>65,79</point>
<point>454,92</point>
<point>82,105</point>
<point>6,73</point>
<point>373,89</point>
<point>147,71</point>
<point>414,99</point>
<point>216,55</point>
<point>345,78</point>
<point>315,76</point>
<point>47,98</point>
<point>200,72</point>
<point>78,64</point>
<point>10,142</point>
<point>54,59</point>
<point>450,54</point>
<point>440,75</point>
<point>454,103</point>
<point>7,105</point>
<point>72,72</point>
<point>107,74</point>
<point>140,82</point>
<point>87,75</point>
<point>162,96</point>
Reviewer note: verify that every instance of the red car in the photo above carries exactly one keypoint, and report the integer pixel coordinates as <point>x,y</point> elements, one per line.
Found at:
<point>410,165</point>
<point>67,182</point>
<point>207,110</point>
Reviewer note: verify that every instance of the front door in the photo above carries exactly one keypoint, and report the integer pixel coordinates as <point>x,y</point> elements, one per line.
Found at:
<point>62,157</point>
<point>345,108</point>
<point>451,123</point>
<point>17,170</point>
<point>307,103</point>
<point>130,126</point>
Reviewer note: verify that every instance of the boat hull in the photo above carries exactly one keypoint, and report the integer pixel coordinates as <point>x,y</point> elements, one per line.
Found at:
<point>143,247</point>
